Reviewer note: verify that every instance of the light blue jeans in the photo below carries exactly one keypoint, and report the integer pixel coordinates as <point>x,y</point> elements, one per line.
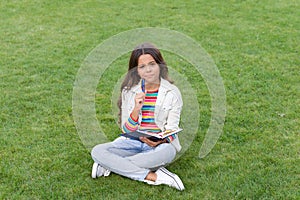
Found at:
<point>132,158</point>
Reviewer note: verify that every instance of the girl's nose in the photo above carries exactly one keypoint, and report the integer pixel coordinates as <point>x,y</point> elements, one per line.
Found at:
<point>148,68</point>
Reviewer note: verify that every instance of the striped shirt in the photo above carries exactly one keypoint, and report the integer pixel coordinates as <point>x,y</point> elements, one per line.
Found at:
<point>148,121</point>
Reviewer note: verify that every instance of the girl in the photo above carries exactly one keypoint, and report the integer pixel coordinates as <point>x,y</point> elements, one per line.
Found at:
<point>155,109</point>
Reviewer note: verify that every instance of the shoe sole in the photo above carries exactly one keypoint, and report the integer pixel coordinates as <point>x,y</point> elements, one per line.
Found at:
<point>177,180</point>
<point>94,170</point>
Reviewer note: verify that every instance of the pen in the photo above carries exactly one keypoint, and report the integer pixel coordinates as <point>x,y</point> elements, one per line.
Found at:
<point>143,85</point>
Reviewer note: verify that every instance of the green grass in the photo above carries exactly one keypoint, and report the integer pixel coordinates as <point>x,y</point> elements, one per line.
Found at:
<point>255,45</point>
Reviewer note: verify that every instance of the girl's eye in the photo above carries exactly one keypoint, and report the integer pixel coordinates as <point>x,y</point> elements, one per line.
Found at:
<point>141,66</point>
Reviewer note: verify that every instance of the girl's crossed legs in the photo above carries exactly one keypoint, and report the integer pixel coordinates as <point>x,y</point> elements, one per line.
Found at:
<point>132,158</point>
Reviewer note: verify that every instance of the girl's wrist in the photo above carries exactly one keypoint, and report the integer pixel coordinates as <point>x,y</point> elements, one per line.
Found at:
<point>134,118</point>
<point>135,114</point>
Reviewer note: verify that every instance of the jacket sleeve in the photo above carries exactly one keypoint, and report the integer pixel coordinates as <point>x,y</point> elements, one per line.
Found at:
<point>174,113</point>
<point>124,108</point>
<point>128,124</point>
<point>173,118</point>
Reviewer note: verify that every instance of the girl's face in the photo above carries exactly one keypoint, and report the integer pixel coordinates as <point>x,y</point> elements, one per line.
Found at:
<point>148,69</point>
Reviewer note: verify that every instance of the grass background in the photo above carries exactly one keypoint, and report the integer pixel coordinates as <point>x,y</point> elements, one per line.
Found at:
<point>255,45</point>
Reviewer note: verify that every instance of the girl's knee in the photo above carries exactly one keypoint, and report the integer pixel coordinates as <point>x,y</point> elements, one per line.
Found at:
<point>96,151</point>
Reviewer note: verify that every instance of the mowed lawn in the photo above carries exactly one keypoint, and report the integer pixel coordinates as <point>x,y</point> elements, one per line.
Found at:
<point>254,44</point>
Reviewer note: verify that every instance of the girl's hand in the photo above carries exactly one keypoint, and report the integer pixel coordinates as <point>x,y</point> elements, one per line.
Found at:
<point>152,143</point>
<point>139,101</point>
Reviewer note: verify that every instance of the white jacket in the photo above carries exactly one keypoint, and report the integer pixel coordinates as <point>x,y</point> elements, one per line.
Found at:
<point>167,108</point>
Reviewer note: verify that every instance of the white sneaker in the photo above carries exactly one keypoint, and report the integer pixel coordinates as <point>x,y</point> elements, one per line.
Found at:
<point>168,178</point>
<point>98,170</point>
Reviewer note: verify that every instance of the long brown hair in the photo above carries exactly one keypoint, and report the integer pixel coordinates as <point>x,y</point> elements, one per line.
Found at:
<point>132,77</point>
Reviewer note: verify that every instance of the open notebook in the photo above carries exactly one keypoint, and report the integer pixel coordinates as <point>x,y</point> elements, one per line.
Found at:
<point>152,136</point>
